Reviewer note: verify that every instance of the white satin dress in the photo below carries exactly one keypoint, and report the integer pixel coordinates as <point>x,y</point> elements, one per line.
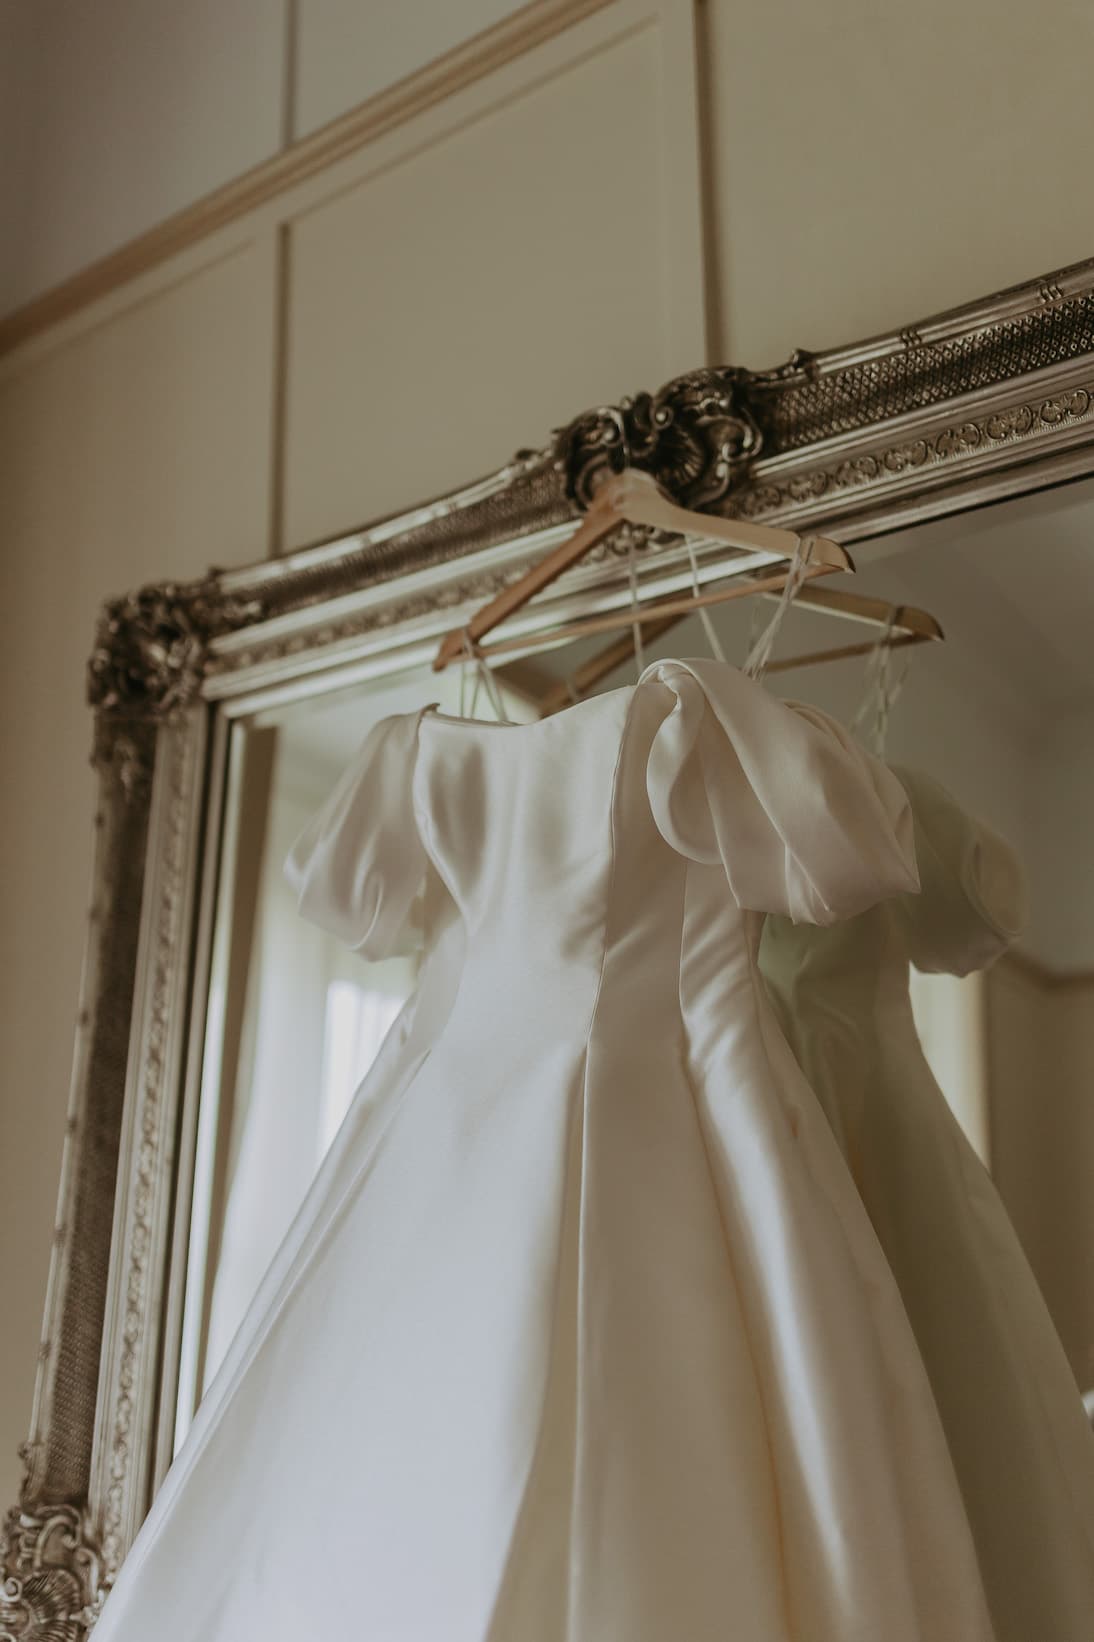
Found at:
<point>1018,1432</point>
<point>583,1334</point>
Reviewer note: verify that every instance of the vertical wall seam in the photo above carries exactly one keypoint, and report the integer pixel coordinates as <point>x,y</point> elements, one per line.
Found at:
<point>279,410</point>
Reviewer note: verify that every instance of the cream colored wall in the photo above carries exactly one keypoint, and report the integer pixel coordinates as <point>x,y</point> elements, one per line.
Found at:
<point>873,164</point>
<point>461,295</point>
<point>135,110</point>
<point>474,277</point>
<point>1041,1039</point>
<point>18,54</point>
<point>867,165</point>
<point>345,51</point>
<point>1062,785</point>
<point>138,110</point>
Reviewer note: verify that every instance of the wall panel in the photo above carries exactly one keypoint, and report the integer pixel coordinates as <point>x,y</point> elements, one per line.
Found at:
<point>19,45</point>
<point>136,451</point>
<point>138,110</point>
<point>477,286</point>
<point>873,164</point>
<point>345,51</point>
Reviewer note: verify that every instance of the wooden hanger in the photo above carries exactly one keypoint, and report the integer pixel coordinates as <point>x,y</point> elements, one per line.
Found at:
<point>906,625</point>
<point>634,497</point>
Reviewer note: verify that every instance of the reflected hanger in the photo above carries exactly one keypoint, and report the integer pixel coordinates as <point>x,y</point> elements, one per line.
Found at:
<point>634,497</point>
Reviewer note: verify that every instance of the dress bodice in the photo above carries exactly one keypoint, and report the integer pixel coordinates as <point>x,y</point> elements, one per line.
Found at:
<point>516,819</point>
<point>543,831</point>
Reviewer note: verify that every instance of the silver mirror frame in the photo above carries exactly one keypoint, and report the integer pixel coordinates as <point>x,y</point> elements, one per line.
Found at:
<point>984,402</point>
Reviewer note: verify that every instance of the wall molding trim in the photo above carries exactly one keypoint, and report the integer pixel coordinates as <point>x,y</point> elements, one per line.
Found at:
<point>462,66</point>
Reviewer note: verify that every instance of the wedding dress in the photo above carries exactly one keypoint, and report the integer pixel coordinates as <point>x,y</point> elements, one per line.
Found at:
<point>583,1334</point>
<point>1017,1430</point>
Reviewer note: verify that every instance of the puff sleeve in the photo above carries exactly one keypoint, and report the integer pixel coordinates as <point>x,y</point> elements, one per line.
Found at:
<point>973,903</point>
<point>805,823</point>
<point>358,865</point>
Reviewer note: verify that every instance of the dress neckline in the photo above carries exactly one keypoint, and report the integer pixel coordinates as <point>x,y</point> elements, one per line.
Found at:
<point>432,712</point>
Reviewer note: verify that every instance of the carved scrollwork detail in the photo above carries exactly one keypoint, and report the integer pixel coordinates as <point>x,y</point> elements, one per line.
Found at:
<point>129,759</point>
<point>955,441</point>
<point>697,436</point>
<point>133,765</point>
<point>1054,411</point>
<point>137,1232</point>
<point>859,470</point>
<point>1011,424</point>
<point>962,439</point>
<point>51,1588</point>
<point>450,595</point>
<point>151,646</point>
<point>806,487</point>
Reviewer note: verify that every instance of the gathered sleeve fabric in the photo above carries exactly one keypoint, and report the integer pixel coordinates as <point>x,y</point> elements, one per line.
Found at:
<point>805,823</point>
<point>359,864</point>
<point>974,902</point>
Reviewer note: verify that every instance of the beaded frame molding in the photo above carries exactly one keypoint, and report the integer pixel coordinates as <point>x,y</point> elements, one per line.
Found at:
<point>986,401</point>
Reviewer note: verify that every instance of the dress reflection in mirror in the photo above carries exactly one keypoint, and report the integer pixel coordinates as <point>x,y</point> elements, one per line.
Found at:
<point>301,1019</point>
<point>1004,1388</point>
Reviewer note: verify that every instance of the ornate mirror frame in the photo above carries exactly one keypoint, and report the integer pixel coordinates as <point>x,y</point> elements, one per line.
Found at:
<point>983,402</point>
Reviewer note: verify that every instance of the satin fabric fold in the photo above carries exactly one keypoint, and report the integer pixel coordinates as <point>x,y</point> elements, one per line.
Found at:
<point>802,820</point>
<point>358,865</point>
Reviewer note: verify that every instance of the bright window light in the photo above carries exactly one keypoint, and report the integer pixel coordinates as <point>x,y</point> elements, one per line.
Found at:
<point>358,1020</point>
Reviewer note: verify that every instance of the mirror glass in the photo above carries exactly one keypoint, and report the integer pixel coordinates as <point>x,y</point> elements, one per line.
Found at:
<point>1001,713</point>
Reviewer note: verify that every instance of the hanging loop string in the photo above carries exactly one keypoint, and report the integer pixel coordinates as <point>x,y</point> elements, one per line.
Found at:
<point>484,678</point>
<point>636,625</point>
<point>755,626</point>
<point>884,682</point>
<point>497,701</point>
<point>760,651</point>
<point>468,653</point>
<point>703,612</point>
